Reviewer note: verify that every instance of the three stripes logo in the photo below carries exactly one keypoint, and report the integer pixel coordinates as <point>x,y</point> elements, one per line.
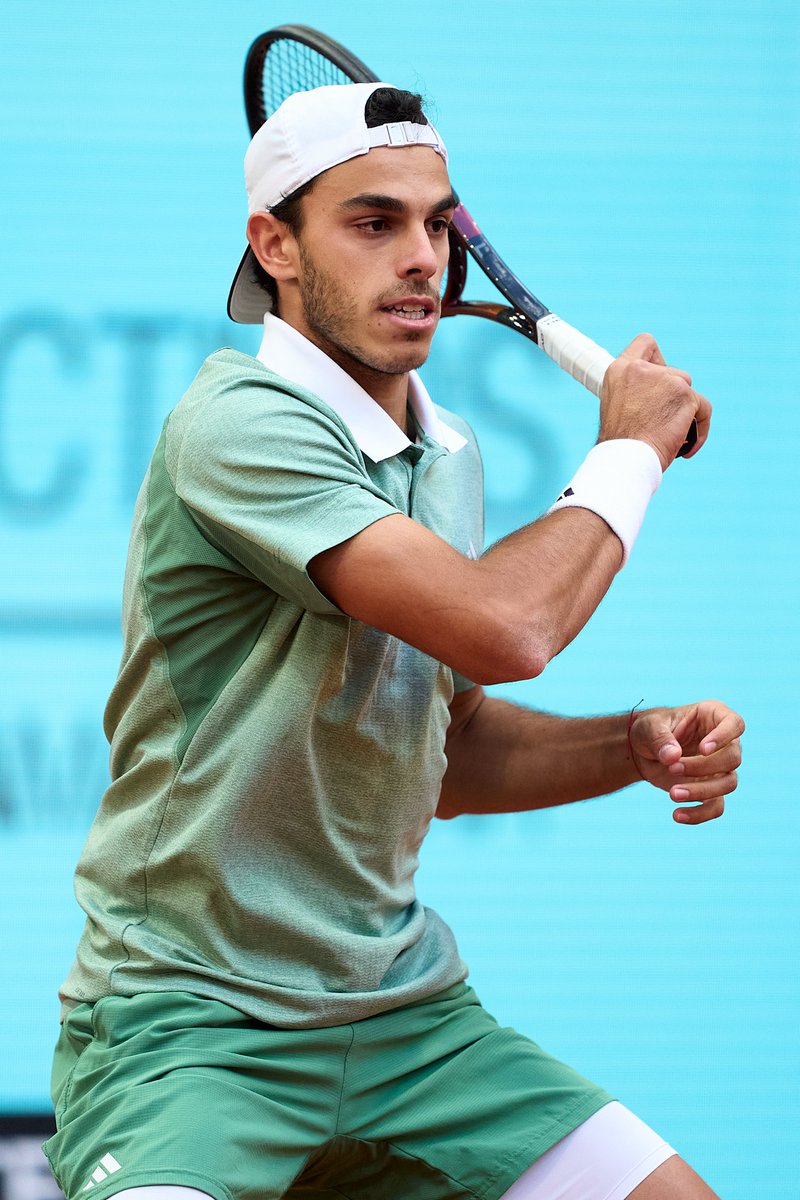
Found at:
<point>565,494</point>
<point>108,1165</point>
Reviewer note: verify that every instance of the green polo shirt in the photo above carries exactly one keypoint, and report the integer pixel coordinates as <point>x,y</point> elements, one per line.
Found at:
<point>275,764</point>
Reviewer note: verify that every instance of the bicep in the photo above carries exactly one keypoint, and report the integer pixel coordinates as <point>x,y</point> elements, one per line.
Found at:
<point>398,576</point>
<point>271,486</point>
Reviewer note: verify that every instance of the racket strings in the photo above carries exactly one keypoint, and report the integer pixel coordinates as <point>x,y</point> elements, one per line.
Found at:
<point>290,67</point>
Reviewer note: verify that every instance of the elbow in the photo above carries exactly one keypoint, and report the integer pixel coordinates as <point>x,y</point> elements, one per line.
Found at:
<point>508,669</point>
<point>508,649</point>
<point>445,812</point>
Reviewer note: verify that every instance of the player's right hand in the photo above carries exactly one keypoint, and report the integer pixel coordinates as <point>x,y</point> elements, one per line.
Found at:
<point>645,399</point>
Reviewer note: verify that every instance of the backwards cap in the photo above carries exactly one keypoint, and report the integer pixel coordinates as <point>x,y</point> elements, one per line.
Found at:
<point>310,133</point>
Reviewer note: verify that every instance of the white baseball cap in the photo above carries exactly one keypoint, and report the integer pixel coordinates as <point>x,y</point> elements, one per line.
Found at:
<point>310,133</point>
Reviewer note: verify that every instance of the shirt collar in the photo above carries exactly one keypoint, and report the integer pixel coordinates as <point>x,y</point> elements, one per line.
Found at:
<point>286,352</point>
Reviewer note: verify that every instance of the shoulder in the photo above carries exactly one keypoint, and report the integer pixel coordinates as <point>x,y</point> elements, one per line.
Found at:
<point>235,400</point>
<point>456,422</point>
<point>470,454</point>
<point>233,383</point>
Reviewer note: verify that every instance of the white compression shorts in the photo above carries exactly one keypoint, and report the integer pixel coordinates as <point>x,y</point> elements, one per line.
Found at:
<point>605,1158</point>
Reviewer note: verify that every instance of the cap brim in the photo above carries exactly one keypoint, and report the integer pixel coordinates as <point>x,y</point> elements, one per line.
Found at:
<point>247,300</point>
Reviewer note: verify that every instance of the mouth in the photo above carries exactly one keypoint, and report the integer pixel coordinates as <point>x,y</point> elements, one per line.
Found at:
<point>417,311</point>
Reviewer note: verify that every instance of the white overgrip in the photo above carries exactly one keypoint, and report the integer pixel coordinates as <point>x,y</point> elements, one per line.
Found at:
<point>573,351</point>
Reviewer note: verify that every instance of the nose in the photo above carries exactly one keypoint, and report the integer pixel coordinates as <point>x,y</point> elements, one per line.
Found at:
<point>418,256</point>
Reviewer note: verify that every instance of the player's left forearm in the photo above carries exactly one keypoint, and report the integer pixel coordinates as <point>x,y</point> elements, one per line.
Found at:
<point>503,758</point>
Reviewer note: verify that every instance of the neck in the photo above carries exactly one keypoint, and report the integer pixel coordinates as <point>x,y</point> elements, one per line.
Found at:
<point>389,391</point>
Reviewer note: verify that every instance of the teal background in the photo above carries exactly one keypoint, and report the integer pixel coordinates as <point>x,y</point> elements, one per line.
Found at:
<point>637,164</point>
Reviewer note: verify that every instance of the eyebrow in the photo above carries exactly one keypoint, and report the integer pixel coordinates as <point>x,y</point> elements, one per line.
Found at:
<point>392,204</point>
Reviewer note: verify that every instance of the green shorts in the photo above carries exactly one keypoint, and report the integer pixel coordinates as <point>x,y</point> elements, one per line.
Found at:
<point>430,1102</point>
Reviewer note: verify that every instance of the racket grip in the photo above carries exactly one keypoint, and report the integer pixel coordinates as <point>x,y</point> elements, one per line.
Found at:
<point>573,351</point>
<point>584,360</point>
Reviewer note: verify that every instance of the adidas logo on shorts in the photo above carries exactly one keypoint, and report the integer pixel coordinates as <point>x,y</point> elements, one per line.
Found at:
<point>108,1165</point>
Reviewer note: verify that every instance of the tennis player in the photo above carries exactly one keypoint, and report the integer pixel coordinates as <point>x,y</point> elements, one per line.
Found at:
<point>260,1006</point>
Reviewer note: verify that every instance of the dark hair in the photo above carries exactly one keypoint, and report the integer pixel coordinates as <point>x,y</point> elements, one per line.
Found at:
<point>391,104</point>
<point>383,106</point>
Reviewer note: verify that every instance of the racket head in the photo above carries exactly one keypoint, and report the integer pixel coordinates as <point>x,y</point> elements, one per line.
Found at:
<point>294,58</point>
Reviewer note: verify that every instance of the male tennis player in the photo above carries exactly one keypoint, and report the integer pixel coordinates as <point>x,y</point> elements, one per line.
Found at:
<point>260,1005</point>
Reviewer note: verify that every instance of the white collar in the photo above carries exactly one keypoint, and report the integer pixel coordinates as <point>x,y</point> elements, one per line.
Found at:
<point>289,354</point>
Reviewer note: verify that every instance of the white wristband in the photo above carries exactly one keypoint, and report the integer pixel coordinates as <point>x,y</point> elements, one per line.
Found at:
<point>615,480</point>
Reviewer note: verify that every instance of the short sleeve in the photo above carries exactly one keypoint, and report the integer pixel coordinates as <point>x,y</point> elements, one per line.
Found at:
<point>272,480</point>
<point>461,683</point>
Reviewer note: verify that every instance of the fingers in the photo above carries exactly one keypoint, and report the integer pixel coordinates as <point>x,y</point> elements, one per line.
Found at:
<point>710,723</point>
<point>645,398</point>
<point>700,766</point>
<point>709,811</point>
<point>645,346</point>
<point>706,795</point>
<point>698,791</point>
<point>729,729</point>
<point>705,781</point>
<point>699,750</point>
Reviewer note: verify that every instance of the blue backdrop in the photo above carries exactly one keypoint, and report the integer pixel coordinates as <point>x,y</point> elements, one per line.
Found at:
<point>637,163</point>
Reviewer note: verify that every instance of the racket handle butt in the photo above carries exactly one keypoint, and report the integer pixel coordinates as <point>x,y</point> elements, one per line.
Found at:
<point>691,440</point>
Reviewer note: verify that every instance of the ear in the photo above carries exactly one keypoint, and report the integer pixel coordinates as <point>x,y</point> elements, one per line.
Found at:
<point>274,245</point>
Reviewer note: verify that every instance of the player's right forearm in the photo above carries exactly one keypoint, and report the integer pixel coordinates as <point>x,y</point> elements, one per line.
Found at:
<point>541,585</point>
<point>499,619</point>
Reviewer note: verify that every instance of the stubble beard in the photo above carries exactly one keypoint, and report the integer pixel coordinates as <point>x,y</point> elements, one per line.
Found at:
<point>331,314</point>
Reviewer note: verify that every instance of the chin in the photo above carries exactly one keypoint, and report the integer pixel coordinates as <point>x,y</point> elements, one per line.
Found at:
<point>406,357</point>
<point>400,363</point>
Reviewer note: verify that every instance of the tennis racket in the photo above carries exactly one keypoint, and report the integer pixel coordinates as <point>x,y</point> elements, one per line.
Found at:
<point>296,58</point>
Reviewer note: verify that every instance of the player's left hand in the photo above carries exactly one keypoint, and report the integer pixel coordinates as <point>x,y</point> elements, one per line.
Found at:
<point>692,752</point>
